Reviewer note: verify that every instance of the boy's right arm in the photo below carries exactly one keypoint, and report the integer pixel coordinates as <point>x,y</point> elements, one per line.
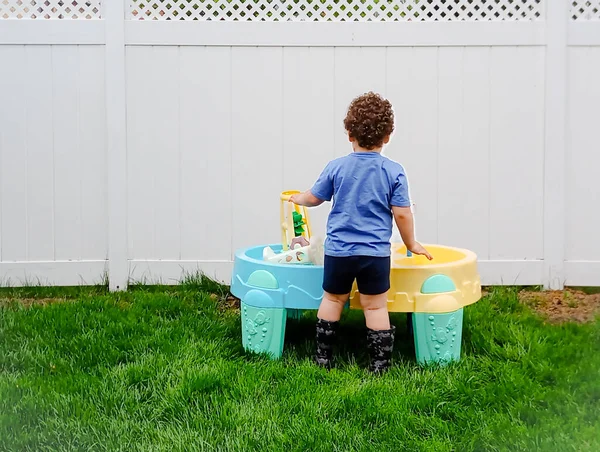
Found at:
<point>321,191</point>
<point>306,199</point>
<point>406,226</point>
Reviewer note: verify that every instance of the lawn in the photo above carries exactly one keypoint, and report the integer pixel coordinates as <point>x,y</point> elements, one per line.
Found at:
<point>163,369</point>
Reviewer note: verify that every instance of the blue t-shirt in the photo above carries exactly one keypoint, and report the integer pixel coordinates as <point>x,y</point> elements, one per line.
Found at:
<point>364,187</point>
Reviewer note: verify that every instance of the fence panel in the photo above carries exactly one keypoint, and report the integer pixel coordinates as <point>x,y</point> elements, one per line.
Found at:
<point>582,162</point>
<point>156,136</point>
<point>53,180</point>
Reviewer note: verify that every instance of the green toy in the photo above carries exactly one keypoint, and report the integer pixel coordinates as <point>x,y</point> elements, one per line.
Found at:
<point>298,223</point>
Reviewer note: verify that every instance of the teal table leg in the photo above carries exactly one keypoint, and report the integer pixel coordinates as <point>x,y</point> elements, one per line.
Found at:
<point>263,326</point>
<point>263,329</point>
<point>437,336</point>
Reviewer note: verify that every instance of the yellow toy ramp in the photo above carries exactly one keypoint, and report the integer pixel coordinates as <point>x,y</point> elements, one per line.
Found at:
<point>410,276</point>
<point>286,218</point>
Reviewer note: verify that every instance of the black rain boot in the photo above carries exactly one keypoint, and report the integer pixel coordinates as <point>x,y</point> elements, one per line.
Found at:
<point>326,332</point>
<point>381,345</point>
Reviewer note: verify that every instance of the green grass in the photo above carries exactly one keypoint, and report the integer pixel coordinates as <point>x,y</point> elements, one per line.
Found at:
<point>588,290</point>
<point>163,369</point>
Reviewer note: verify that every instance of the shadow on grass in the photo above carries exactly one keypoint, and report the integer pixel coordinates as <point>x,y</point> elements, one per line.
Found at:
<point>351,345</point>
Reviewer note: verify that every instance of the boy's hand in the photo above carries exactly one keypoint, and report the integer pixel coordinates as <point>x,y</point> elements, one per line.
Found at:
<point>296,198</point>
<point>417,248</point>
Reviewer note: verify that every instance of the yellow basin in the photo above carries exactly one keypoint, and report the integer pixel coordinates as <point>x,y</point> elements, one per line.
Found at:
<point>408,274</point>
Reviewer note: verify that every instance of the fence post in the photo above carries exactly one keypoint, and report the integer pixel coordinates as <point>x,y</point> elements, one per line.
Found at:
<point>557,16</point>
<point>114,17</point>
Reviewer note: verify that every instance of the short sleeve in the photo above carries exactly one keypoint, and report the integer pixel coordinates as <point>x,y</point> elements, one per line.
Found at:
<point>323,187</point>
<point>400,197</point>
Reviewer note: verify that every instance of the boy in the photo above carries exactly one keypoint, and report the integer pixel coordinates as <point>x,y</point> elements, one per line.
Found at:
<point>367,190</point>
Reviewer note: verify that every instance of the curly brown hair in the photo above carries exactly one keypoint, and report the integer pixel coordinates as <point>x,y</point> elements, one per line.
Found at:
<point>370,119</point>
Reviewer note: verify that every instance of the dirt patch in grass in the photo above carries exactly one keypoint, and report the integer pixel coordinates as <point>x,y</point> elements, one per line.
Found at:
<point>564,306</point>
<point>226,302</point>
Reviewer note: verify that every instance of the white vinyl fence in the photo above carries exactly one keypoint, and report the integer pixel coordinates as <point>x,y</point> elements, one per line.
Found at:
<point>141,140</point>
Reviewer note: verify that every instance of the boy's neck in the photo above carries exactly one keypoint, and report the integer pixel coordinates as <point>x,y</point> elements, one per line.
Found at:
<point>357,148</point>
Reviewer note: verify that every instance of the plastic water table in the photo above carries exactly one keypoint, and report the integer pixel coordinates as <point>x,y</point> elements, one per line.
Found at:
<point>433,292</point>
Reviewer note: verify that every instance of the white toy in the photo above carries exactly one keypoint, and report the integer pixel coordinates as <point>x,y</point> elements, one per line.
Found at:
<point>297,254</point>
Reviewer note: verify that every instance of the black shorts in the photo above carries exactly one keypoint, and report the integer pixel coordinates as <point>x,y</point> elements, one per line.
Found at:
<point>372,274</point>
